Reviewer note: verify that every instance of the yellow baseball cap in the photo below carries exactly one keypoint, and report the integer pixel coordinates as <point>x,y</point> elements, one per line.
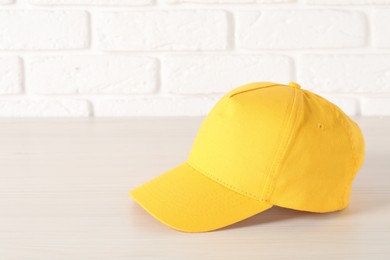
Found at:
<point>262,144</point>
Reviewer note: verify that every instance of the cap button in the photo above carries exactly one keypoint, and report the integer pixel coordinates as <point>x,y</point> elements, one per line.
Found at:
<point>294,85</point>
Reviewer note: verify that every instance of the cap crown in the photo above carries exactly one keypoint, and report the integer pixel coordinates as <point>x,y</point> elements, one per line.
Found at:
<point>280,144</point>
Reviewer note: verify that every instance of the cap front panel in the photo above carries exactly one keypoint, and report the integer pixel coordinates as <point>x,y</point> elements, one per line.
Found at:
<point>237,141</point>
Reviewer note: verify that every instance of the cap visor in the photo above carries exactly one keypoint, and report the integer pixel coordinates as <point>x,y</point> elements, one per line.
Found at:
<point>189,201</point>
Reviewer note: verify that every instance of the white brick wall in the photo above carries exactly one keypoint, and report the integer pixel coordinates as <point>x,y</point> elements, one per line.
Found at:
<point>83,58</point>
<point>304,29</point>
<point>346,2</point>
<point>40,107</point>
<point>226,1</point>
<point>90,2</point>
<point>381,28</point>
<point>43,30</point>
<point>153,106</point>
<point>161,30</point>
<point>6,1</point>
<point>375,106</point>
<point>10,75</point>
<point>220,73</point>
<point>91,74</point>
<point>350,73</point>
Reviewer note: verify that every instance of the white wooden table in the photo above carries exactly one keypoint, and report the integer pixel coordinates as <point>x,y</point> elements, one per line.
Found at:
<point>64,195</point>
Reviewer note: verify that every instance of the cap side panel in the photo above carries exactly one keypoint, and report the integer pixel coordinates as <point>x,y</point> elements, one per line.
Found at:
<point>316,170</point>
<point>353,130</point>
<point>357,145</point>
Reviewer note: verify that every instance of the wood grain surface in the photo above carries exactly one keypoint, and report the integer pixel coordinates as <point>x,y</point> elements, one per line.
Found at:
<point>64,195</point>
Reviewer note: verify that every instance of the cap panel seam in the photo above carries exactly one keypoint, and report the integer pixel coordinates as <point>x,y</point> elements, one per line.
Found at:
<point>255,88</point>
<point>221,182</point>
<point>286,138</point>
<point>349,133</point>
<point>353,150</point>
